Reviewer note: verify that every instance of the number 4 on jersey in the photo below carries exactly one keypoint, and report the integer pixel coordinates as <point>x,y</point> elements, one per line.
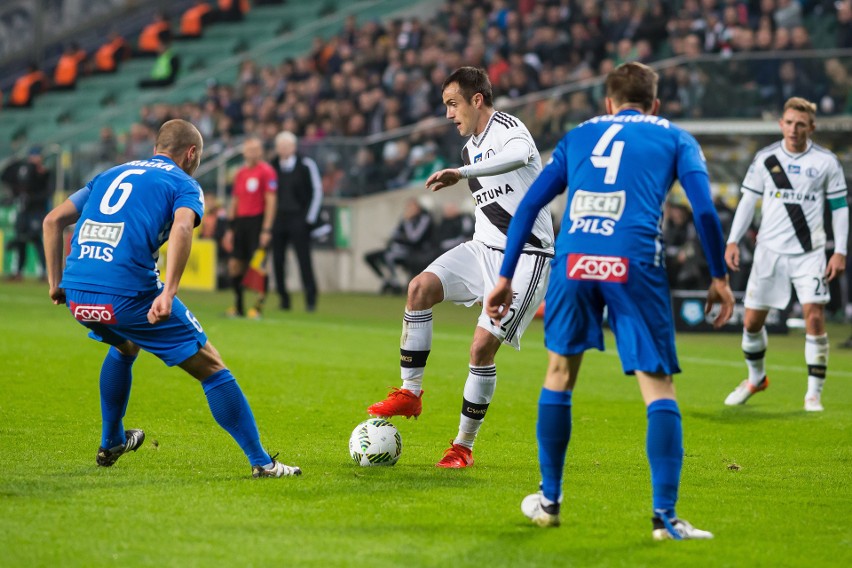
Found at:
<point>613,161</point>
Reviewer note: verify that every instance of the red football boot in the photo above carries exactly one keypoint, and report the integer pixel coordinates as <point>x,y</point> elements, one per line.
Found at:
<point>456,457</point>
<point>400,402</point>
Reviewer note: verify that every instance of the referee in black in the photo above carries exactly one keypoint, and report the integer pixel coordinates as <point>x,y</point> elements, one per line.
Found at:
<point>299,200</point>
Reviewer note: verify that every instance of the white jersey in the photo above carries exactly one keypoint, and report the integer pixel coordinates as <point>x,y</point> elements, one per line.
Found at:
<point>497,197</point>
<point>794,188</point>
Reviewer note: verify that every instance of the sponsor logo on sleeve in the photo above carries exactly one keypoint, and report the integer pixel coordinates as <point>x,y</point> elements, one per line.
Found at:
<point>93,313</point>
<point>597,268</point>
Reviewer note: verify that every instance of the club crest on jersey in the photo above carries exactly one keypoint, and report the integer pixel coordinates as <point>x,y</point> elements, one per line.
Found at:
<point>106,233</point>
<point>93,313</point>
<point>793,169</point>
<point>597,268</point>
<point>812,172</point>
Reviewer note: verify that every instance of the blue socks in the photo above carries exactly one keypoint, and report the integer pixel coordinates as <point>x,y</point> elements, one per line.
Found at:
<point>231,410</point>
<point>554,432</point>
<point>664,446</point>
<point>116,378</point>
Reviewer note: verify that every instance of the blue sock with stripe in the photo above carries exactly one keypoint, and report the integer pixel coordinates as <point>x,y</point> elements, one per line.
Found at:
<point>554,432</point>
<point>664,446</point>
<point>233,413</point>
<point>116,379</point>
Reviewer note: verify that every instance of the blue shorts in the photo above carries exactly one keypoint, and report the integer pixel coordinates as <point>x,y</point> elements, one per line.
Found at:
<point>638,310</point>
<point>116,319</point>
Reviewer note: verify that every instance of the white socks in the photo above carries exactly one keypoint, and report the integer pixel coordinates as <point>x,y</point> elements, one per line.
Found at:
<point>478,392</point>
<point>414,347</point>
<point>816,358</point>
<point>754,349</point>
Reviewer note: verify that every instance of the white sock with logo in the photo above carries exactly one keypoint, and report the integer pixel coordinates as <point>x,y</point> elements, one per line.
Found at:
<point>414,347</point>
<point>816,358</point>
<point>478,392</point>
<point>754,349</point>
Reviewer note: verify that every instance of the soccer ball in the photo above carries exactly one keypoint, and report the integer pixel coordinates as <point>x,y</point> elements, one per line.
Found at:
<point>375,442</point>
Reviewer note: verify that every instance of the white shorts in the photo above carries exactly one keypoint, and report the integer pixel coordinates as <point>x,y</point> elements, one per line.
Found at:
<point>469,272</point>
<point>772,274</point>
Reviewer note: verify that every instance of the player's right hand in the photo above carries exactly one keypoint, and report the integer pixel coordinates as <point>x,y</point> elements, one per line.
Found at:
<point>732,256</point>
<point>498,301</point>
<point>720,293</point>
<point>161,309</point>
<point>442,179</point>
<point>57,295</point>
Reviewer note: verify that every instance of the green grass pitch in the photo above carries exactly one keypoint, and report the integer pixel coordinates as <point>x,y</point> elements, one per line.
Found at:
<point>772,482</point>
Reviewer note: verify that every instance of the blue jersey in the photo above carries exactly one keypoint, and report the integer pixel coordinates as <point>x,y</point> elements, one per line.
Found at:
<point>126,214</point>
<point>615,200</point>
<point>618,170</point>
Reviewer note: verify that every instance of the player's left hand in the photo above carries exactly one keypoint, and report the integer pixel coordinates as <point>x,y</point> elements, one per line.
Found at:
<point>57,295</point>
<point>265,239</point>
<point>442,179</point>
<point>161,309</point>
<point>835,267</point>
<point>720,293</point>
<point>498,301</point>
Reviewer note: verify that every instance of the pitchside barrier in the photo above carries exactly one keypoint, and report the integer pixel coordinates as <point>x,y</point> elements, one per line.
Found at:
<point>688,308</point>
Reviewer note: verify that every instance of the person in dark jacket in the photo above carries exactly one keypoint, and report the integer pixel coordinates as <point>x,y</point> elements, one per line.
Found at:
<point>412,236</point>
<point>28,180</point>
<point>299,201</point>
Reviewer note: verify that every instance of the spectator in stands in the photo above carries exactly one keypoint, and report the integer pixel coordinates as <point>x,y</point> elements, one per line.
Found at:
<point>193,20</point>
<point>165,69</point>
<point>365,175</point>
<point>788,14</point>
<point>27,86</point>
<point>844,23</point>
<point>110,54</point>
<point>454,229</point>
<point>68,67</point>
<point>683,257</point>
<point>411,237</point>
<point>155,36</point>
<point>29,182</point>
<point>232,10</point>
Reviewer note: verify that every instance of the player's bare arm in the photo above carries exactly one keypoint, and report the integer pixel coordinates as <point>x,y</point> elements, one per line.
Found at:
<point>444,178</point>
<point>836,266</point>
<point>732,256</point>
<point>180,243</point>
<point>270,205</point>
<point>53,226</point>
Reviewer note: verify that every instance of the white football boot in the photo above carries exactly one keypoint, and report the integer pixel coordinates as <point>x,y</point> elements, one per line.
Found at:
<point>540,514</point>
<point>744,391</point>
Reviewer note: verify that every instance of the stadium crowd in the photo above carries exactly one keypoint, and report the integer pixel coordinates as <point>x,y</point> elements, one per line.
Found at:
<point>375,77</point>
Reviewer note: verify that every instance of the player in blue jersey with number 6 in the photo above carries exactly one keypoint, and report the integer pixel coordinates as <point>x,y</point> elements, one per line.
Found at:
<point>111,285</point>
<point>618,169</point>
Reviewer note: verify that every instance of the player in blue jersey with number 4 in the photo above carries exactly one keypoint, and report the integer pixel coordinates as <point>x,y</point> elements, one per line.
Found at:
<point>111,285</point>
<point>618,168</point>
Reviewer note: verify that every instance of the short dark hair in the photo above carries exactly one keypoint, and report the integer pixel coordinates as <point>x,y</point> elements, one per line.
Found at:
<point>176,136</point>
<point>471,80</point>
<point>633,83</point>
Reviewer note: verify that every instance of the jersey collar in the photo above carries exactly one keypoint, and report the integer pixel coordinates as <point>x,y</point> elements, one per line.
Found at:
<point>628,111</point>
<point>163,158</point>
<point>797,155</point>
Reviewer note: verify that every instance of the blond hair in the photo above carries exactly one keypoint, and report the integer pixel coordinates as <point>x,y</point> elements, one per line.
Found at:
<point>801,105</point>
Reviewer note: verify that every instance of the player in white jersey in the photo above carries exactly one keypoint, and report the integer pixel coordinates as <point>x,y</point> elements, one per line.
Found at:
<point>500,163</point>
<point>795,178</point>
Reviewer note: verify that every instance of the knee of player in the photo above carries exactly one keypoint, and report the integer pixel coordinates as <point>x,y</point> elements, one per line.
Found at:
<point>424,291</point>
<point>129,349</point>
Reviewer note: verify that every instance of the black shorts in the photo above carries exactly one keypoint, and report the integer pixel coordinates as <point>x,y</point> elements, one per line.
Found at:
<point>246,236</point>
